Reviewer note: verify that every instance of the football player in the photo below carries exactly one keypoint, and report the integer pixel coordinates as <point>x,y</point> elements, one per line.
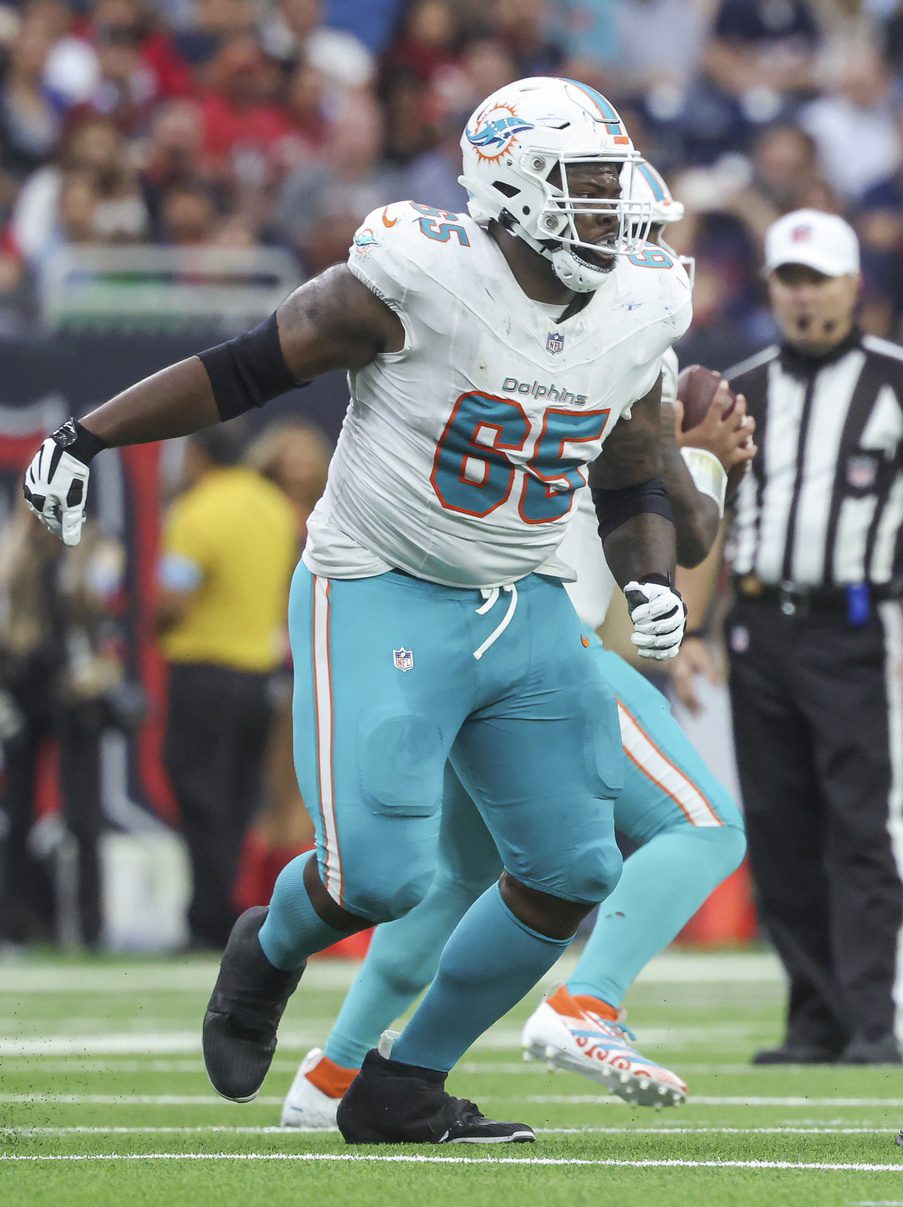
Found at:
<point>688,831</point>
<point>490,356</point>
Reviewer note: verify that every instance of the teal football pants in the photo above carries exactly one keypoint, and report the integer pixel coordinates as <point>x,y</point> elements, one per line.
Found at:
<point>388,691</point>
<point>689,834</point>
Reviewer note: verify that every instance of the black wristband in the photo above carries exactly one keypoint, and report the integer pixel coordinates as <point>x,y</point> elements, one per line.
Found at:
<point>615,507</point>
<point>77,441</point>
<point>663,580</point>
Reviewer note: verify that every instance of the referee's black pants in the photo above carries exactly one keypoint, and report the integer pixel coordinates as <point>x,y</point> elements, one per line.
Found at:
<point>817,727</point>
<point>216,735</point>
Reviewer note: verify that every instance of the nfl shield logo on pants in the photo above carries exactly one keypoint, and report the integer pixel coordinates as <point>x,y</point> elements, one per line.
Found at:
<point>403,659</point>
<point>554,342</point>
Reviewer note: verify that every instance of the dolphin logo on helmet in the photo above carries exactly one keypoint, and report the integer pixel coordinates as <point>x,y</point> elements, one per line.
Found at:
<point>494,135</point>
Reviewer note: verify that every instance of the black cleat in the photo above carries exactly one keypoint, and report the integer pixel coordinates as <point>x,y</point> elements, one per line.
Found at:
<point>797,1054</point>
<point>882,1051</point>
<point>244,1011</point>
<point>394,1103</point>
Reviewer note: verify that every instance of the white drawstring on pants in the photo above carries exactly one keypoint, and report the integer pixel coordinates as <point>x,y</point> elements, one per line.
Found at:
<point>491,596</point>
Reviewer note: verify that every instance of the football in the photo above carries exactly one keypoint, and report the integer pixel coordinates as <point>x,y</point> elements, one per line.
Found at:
<point>696,386</point>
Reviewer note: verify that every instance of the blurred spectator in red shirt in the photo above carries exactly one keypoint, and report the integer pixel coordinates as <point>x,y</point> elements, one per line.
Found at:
<point>426,43</point>
<point>242,119</point>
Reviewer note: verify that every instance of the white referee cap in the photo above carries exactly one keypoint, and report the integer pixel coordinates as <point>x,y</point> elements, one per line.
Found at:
<point>818,240</point>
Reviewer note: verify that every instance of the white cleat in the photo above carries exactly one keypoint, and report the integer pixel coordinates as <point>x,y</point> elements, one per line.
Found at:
<point>306,1104</point>
<point>567,1036</point>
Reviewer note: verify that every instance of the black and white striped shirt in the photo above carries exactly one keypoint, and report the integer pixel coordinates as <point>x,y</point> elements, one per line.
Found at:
<point>823,505</point>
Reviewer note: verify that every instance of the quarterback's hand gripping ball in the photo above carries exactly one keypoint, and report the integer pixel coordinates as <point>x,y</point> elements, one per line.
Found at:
<point>659,617</point>
<point>56,485</point>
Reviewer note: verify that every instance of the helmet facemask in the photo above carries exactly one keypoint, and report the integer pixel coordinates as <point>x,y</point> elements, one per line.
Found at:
<point>545,215</point>
<point>561,210</point>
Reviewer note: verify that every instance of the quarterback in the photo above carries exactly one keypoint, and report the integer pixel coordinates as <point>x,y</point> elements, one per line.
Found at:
<point>498,363</point>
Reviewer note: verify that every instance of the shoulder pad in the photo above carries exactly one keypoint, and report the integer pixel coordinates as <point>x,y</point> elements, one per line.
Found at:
<point>406,248</point>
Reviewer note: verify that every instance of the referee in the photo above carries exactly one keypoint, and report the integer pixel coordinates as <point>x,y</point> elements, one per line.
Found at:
<point>815,643</point>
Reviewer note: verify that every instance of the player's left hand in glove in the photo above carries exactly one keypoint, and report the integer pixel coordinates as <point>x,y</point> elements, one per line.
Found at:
<point>56,481</point>
<point>659,617</point>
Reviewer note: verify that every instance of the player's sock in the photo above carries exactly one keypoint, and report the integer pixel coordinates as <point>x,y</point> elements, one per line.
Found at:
<point>662,886</point>
<point>491,960</point>
<point>293,929</point>
<point>402,961</point>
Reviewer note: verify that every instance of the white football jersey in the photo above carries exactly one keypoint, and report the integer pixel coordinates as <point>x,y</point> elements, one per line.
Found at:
<point>582,547</point>
<point>461,455</point>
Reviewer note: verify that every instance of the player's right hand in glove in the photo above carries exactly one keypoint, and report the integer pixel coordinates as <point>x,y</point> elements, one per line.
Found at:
<point>56,481</point>
<point>659,617</point>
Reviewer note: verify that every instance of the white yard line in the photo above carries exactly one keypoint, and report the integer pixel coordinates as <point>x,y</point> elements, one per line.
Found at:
<point>175,1042</point>
<point>210,1099</point>
<point>536,1099</point>
<point>287,1133</point>
<point>405,1159</point>
<point>487,1068</point>
<point>699,1100</point>
<point>757,969</point>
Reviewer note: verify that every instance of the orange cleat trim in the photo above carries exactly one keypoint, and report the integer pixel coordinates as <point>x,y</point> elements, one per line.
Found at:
<point>577,1005</point>
<point>595,1005</point>
<point>330,1079</point>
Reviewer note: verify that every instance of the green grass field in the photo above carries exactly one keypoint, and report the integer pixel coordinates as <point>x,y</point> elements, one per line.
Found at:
<point>103,1099</point>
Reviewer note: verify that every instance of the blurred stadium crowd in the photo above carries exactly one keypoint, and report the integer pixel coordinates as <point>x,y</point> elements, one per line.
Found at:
<point>278,125</point>
<point>281,123</point>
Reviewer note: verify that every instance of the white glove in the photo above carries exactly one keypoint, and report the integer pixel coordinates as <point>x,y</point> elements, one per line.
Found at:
<point>56,481</point>
<point>659,617</point>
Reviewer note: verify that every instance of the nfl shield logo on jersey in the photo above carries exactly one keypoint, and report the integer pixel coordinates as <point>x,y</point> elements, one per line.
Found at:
<point>403,659</point>
<point>554,342</point>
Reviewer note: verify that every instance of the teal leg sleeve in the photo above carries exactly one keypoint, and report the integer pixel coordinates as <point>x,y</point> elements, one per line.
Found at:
<point>401,962</point>
<point>491,961</point>
<point>689,830</point>
<point>293,930</point>
<point>404,954</point>
<point>662,886</point>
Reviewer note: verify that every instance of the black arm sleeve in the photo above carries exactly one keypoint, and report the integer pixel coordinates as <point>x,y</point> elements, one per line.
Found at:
<point>249,370</point>
<point>613,507</point>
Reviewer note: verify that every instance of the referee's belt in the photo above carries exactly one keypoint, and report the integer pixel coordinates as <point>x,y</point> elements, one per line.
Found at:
<point>796,599</point>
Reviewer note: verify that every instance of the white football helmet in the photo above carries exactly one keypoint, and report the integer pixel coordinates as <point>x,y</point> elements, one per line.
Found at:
<point>517,138</point>
<point>647,185</point>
